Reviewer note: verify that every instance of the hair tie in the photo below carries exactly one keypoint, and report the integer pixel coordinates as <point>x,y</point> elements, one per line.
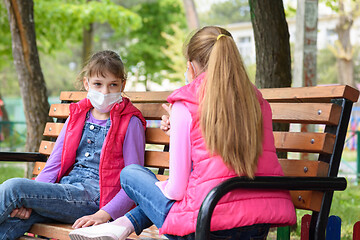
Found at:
<point>219,36</point>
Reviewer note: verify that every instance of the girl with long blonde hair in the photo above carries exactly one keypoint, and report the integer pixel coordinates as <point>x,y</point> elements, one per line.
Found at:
<point>221,127</point>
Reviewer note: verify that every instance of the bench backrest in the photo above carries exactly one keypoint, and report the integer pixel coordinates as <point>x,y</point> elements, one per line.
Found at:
<point>313,106</point>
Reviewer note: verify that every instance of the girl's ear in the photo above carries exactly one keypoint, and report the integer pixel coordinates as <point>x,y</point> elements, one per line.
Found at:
<point>86,83</point>
<point>123,84</point>
<point>191,71</point>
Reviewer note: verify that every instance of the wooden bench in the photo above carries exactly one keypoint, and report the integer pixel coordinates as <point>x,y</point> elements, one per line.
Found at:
<point>328,106</point>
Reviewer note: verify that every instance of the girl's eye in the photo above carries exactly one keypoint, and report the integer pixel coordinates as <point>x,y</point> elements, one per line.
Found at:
<point>114,85</point>
<point>97,84</point>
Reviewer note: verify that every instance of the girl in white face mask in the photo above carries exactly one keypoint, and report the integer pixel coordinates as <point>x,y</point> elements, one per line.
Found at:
<point>104,78</point>
<point>104,130</point>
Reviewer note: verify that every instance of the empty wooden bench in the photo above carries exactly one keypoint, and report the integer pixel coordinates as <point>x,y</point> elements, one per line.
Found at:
<point>329,107</point>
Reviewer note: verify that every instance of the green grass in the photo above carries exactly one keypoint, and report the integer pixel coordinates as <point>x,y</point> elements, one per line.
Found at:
<point>9,170</point>
<point>349,155</point>
<point>346,205</point>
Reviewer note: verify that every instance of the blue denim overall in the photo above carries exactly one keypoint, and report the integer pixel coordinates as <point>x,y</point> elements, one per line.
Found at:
<point>75,196</point>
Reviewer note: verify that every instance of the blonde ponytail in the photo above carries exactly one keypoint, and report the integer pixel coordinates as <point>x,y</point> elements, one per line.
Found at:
<point>230,114</point>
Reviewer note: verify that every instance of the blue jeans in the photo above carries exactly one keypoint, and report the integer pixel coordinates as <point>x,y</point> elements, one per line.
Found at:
<point>49,201</point>
<point>152,207</point>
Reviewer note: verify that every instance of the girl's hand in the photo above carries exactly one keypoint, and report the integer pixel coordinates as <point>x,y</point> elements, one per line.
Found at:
<point>165,120</point>
<point>91,220</point>
<point>22,213</point>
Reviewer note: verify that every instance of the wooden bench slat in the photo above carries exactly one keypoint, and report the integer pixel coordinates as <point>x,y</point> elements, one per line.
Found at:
<point>135,97</point>
<point>53,129</point>
<point>156,136</point>
<point>284,141</point>
<point>46,147</point>
<point>150,111</point>
<point>59,110</point>
<point>38,167</point>
<point>157,159</point>
<point>152,159</point>
<point>304,142</point>
<point>153,135</point>
<point>299,94</point>
<point>72,96</point>
<point>310,94</point>
<point>307,200</point>
<point>144,97</point>
<point>304,168</point>
<point>314,113</point>
<point>52,230</point>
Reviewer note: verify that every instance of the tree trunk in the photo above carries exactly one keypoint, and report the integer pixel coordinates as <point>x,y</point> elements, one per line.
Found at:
<point>344,57</point>
<point>273,61</point>
<point>31,79</point>
<point>88,35</point>
<point>191,14</point>
<point>87,42</point>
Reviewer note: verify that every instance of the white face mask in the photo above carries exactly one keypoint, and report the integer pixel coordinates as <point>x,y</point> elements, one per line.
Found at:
<point>103,102</point>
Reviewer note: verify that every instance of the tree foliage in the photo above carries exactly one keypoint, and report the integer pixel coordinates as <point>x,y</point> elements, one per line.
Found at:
<point>142,53</point>
<point>174,51</point>
<point>58,22</point>
<point>5,39</point>
<point>226,12</point>
<point>68,18</point>
<point>133,27</point>
<point>326,67</point>
<point>59,27</point>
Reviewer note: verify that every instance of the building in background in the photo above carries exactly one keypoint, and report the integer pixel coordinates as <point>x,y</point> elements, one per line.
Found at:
<point>244,36</point>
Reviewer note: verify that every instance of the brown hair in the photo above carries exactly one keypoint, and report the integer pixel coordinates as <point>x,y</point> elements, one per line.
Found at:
<point>230,114</point>
<point>103,63</point>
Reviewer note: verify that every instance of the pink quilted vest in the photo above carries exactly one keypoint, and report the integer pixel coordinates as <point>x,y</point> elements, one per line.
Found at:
<point>241,207</point>
<point>111,158</point>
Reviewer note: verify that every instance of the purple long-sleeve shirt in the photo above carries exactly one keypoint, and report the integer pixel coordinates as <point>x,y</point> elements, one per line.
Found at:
<point>134,150</point>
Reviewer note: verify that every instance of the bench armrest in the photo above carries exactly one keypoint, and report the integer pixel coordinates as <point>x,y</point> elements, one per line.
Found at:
<point>22,157</point>
<point>276,183</point>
